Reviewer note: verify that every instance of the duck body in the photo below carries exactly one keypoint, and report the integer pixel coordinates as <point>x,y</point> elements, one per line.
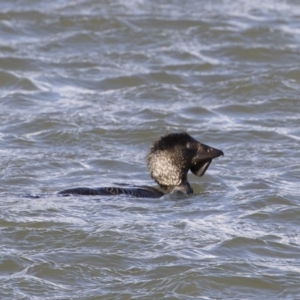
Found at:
<point>139,192</point>
<point>169,161</point>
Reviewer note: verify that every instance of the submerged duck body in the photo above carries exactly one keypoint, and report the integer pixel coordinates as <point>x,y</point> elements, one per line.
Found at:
<point>169,161</point>
<point>140,192</point>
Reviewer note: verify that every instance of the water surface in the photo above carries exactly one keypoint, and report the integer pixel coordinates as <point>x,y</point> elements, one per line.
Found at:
<point>86,87</point>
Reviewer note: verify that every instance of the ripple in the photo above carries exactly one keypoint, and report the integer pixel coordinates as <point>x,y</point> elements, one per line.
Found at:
<point>10,81</point>
<point>87,88</point>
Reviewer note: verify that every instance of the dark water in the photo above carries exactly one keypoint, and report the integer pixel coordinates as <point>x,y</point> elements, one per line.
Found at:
<point>87,86</point>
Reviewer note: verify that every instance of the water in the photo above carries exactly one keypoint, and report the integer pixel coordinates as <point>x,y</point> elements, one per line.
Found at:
<point>86,87</point>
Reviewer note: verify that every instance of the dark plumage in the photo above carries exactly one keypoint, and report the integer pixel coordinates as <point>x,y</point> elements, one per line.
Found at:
<point>169,160</point>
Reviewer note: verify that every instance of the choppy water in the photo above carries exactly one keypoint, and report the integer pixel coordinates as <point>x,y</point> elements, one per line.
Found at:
<point>87,86</point>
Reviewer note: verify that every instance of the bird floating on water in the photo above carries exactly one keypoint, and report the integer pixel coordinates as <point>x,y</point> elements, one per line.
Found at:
<point>169,161</point>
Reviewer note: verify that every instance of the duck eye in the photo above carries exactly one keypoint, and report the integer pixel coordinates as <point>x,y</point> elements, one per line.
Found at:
<point>189,145</point>
<point>209,150</point>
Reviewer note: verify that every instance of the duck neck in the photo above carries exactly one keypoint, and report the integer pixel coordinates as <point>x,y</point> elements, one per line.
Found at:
<point>184,187</point>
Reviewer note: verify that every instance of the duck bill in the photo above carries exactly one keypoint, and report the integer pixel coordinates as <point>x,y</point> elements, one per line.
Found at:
<point>203,159</point>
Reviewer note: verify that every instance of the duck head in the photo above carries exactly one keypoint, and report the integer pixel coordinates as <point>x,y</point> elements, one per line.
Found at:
<point>173,155</point>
